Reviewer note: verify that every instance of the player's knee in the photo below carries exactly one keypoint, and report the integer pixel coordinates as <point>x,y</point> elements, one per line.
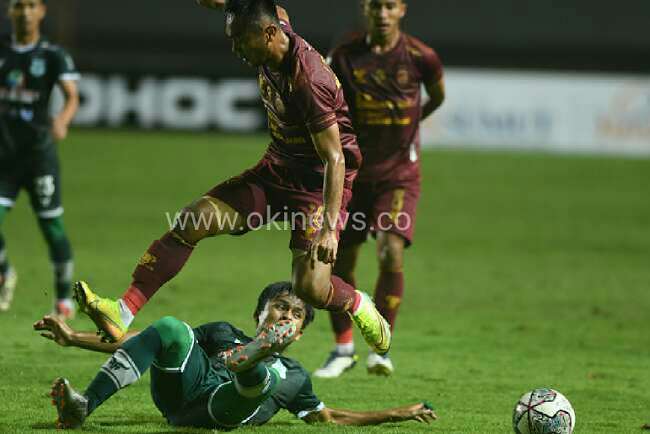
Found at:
<point>311,289</point>
<point>391,254</point>
<point>170,329</point>
<point>190,226</point>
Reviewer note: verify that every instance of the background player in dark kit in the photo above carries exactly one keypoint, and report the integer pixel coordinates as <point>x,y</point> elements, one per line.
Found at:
<point>196,379</point>
<point>382,72</point>
<point>307,171</point>
<point>30,67</point>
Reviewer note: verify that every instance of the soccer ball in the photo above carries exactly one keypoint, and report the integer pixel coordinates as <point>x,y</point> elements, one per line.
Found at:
<point>543,411</point>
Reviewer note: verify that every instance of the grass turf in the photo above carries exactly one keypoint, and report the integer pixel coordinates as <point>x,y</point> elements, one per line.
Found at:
<point>528,270</point>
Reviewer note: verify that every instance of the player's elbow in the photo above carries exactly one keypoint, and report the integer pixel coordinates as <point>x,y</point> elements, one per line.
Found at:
<point>336,159</point>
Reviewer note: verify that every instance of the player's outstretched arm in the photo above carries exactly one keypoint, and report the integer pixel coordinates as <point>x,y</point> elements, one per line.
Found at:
<point>421,412</point>
<point>55,329</point>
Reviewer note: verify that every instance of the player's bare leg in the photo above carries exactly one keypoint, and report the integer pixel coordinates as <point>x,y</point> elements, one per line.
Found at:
<point>343,358</point>
<point>205,217</point>
<point>313,282</point>
<point>388,291</point>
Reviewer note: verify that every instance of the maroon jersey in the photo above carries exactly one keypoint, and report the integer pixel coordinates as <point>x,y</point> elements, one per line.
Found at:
<point>305,97</point>
<point>384,94</point>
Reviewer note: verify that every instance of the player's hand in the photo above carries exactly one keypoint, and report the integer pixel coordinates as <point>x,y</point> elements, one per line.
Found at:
<point>55,330</point>
<point>422,412</point>
<point>59,129</point>
<point>211,4</point>
<point>325,247</point>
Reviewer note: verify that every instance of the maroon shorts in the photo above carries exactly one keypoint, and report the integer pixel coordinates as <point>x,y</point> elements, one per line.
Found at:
<point>387,206</point>
<point>268,193</point>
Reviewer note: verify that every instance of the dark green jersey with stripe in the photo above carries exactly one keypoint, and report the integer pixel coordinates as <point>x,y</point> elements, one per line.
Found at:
<point>294,392</point>
<point>28,75</point>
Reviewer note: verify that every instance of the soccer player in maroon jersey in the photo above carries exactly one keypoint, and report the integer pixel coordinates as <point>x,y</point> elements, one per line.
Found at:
<point>382,72</point>
<point>307,171</point>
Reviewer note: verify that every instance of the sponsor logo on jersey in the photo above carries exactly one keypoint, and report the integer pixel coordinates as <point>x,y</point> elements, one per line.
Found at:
<point>16,78</point>
<point>17,94</point>
<point>37,69</point>
<point>27,115</point>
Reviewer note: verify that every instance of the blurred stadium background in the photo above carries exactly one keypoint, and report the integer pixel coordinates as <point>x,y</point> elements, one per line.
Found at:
<point>565,77</point>
<point>528,269</point>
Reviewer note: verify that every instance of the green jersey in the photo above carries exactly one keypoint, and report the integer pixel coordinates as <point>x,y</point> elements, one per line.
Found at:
<point>294,393</point>
<point>28,75</point>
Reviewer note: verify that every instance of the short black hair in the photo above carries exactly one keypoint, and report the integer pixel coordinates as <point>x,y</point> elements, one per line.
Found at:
<point>253,10</point>
<point>275,289</point>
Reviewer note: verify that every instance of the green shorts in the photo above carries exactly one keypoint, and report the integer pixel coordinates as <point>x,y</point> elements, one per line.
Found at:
<point>39,174</point>
<point>191,390</point>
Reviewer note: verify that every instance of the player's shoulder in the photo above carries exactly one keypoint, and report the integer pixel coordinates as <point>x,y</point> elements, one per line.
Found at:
<point>307,65</point>
<point>416,47</point>
<point>349,43</point>
<point>52,49</point>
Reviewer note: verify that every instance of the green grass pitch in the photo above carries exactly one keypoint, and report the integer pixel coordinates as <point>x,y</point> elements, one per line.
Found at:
<point>527,270</point>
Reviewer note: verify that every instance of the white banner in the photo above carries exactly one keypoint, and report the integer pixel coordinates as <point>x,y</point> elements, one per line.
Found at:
<point>484,108</point>
<point>562,112</point>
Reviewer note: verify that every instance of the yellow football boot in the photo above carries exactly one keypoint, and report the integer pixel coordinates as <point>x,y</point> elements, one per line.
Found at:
<point>104,312</point>
<point>374,328</point>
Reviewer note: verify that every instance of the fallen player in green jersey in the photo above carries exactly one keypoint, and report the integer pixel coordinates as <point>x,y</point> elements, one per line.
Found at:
<point>213,376</point>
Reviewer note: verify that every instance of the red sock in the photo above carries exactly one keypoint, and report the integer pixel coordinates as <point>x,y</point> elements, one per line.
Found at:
<point>388,294</point>
<point>342,296</point>
<point>162,261</point>
<point>341,321</point>
<point>342,326</point>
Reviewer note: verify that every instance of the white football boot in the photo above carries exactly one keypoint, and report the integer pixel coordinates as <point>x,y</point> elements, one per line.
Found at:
<point>336,364</point>
<point>7,289</point>
<point>379,365</point>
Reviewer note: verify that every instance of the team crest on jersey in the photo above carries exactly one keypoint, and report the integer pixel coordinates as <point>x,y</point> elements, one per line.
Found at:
<point>403,77</point>
<point>15,78</point>
<point>37,69</point>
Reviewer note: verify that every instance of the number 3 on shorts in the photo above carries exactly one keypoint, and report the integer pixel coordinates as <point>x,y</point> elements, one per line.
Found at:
<point>44,187</point>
